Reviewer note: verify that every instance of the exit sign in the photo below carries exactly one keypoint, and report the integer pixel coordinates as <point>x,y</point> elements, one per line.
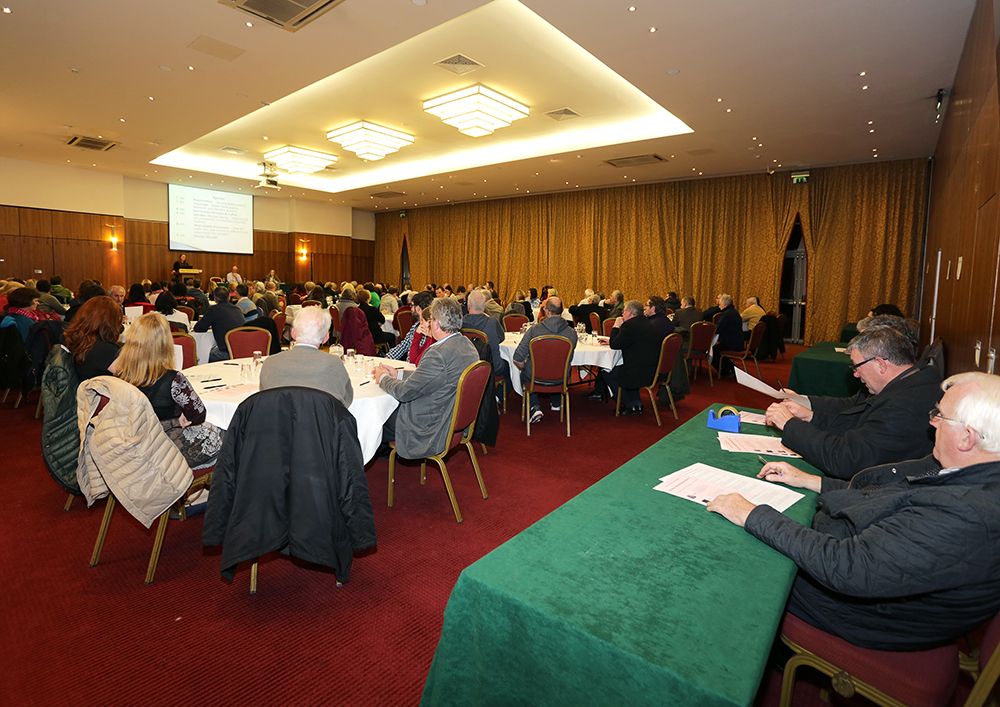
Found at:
<point>800,177</point>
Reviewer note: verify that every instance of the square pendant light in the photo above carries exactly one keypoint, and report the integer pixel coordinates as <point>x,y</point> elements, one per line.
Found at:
<point>477,110</point>
<point>368,140</point>
<point>298,160</point>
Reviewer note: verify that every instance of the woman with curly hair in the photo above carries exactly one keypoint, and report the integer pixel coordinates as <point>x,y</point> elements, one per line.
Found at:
<point>147,362</point>
<point>92,337</point>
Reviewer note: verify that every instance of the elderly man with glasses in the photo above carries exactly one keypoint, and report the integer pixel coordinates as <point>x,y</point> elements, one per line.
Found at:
<point>885,423</point>
<point>906,556</point>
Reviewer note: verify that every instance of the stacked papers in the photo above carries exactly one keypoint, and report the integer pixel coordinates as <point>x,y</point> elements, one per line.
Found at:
<point>755,444</point>
<point>702,483</point>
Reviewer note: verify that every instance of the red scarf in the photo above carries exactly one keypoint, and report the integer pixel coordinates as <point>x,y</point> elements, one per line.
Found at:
<point>32,314</point>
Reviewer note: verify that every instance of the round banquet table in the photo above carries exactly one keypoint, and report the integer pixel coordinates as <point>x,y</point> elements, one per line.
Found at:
<point>371,406</point>
<point>583,355</point>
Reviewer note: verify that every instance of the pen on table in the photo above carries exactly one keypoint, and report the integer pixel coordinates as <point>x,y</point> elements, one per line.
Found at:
<point>365,383</point>
<point>227,363</point>
<point>211,380</point>
<point>209,387</point>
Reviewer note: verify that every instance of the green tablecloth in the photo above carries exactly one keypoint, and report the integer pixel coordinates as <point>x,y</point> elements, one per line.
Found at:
<point>819,370</point>
<point>622,596</point>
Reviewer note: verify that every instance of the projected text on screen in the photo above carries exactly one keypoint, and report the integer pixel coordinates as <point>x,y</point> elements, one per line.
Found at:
<point>210,221</point>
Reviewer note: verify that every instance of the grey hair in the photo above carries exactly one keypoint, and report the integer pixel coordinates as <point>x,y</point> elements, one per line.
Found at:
<point>725,300</point>
<point>594,299</point>
<point>910,328</point>
<point>448,314</point>
<point>883,342</point>
<point>312,325</point>
<point>617,296</point>
<point>635,307</point>
<point>980,407</point>
<point>477,301</point>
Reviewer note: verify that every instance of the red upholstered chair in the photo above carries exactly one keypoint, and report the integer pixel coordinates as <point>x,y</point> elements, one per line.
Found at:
<point>147,307</point>
<point>471,386</point>
<point>669,349</point>
<point>186,342</point>
<point>311,303</point>
<point>607,326</point>
<point>595,322</point>
<point>281,304</point>
<point>514,322</point>
<point>402,320</point>
<point>702,334</point>
<point>916,679</point>
<point>335,327</point>
<point>188,311</point>
<point>550,359</point>
<point>280,320</point>
<point>242,341</point>
<point>355,333</point>
<point>294,299</point>
<point>471,334</point>
<point>753,343</point>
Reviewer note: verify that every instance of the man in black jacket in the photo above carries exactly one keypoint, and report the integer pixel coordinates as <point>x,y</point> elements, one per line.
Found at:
<point>886,423</point>
<point>905,556</point>
<point>639,341</point>
<point>729,329</point>
<point>221,319</point>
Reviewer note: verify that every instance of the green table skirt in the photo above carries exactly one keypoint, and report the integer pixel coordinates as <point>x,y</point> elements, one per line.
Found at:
<point>820,370</point>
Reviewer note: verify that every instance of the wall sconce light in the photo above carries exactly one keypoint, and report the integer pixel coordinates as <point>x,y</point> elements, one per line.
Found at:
<point>114,237</point>
<point>303,255</point>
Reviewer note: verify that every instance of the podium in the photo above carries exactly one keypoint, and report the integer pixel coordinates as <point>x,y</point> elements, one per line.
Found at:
<point>189,271</point>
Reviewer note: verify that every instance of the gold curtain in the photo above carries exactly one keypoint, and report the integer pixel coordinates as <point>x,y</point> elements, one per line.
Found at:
<point>697,237</point>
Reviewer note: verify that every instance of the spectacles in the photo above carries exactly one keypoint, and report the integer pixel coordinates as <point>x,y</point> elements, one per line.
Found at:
<point>855,366</point>
<point>935,414</point>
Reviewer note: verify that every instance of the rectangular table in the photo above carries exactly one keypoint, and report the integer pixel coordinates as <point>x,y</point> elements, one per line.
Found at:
<point>820,370</point>
<point>622,596</point>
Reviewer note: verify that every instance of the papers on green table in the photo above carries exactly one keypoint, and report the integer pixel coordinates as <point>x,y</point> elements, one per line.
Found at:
<point>752,418</point>
<point>762,387</point>
<point>755,444</point>
<point>701,483</point>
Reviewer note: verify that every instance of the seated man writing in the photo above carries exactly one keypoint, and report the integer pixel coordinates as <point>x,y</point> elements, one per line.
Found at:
<point>906,556</point>
<point>839,436</point>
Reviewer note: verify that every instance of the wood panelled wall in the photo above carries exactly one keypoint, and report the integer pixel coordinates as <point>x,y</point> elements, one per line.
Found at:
<point>37,243</point>
<point>964,205</point>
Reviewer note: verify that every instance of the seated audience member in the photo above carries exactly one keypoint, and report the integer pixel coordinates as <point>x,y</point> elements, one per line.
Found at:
<point>22,310</point>
<point>347,300</point>
<point>304,364</point>
<point>492,307</point>
<point>729,329</point>
<point>166,305</point>
<point>419,426</point>
<point>269,300</point>
<point>374,299</point>
<point>550,322</point>
<point>671,302</point>
<point>88,290</point>
<point>117,293</point>
<point>476,319</point>
<point>354,332</point>
<point>221,318</point>
<point>586,297</point>
<point>92,337</point>
<point>886,309</point>
<point>520,298</point>
<point>687,315</point>
<point>639,341</point>
<point>256,293</point>
<point>533,298</point>
<point>316,294</point>
<point>910,328</point>
<point>423,339</point>
<point>47,301</point>
<point>615,305</point>
<point>136,295</point>
<point>903,557</point>
<point>155,290</point>
<point>418,302</point>
<point>60,292</point>
<point>582,312</point>
<point>375,319</point>
<point>249,309</point>
<point>147,285</point>
<point>272,278</point>
<point>389,302</point>
<point>709,314</point>
<point>197,298</point>
<point>752,314</point>
<point>233,277</point>
<point>147,362</point>
<point>656,313</point>
<point>839,436</point>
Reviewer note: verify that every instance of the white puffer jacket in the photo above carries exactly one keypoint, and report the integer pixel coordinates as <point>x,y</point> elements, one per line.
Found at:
<point>124,450</point>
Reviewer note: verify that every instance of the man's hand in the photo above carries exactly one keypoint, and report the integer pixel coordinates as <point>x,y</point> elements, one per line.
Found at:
<point>382,370</point>
<point>618,321</point>
<point>790,476</point>
<point>733,507</point>
<point>778,414</point>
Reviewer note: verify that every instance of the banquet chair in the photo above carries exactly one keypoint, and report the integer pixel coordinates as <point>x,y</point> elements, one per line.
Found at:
<point>282,303</point>
<point>188,311</point>
<point>311,303</point>
<point>595,323</point>
<point>147,307</point>
<point>176,328</point>
<point>912,678</point>
<point>782,322</point>
<point>215,280</point>
<point>606,326</point>
<point>186,342</point>
<point>242,341</point>
<point>702,334</point>
<point>669,348</point>
<point>473,334</point>
<point>514,322</point>
<point>402,320</point>
<point>294,299</point>
<point>752,344</point>
<point>716,317</point>
<point>279,323</point>
<point>550,361</point>
<point>471,388</point>
<point>335,326</point>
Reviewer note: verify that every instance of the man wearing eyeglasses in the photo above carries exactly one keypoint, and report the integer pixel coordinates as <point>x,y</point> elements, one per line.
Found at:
<point>906,556</point>
<point>887,423</point>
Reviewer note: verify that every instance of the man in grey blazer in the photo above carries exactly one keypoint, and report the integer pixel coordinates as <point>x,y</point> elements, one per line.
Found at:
<point>304,364</point>
<point>426,396</point>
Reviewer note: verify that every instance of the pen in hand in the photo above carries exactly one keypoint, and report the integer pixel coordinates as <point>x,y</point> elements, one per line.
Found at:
<point>780,386</point>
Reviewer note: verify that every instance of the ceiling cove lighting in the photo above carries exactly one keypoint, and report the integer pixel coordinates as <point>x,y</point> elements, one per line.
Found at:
<point>368,140</point>
<point>476,110</point>
<point>298,160</point>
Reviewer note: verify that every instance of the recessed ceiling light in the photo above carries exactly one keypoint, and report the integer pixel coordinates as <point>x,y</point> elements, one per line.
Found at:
<point>122,119</point>
<point>718,100</point>
<point>753,138</point>
<point>863,73</point>
<point>6,10</point>
<point>249,24</point>
<point>631,9</point>
<point>864,88</point>
<point>419,3</point>
<point>872,130</point>
<point>869,122</point>
<point>190,68</point>
<point>150,98</point>
<point>166,68</point>
<point>729,110</point>
<point>673,72</point>
<point>652,29</point>
<point>265,137</point>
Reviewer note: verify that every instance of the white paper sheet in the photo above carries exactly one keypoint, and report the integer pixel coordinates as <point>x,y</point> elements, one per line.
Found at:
<point>761,387</point>
<point>755,444</point>
<point>752,418</point>
<point>701,483</point>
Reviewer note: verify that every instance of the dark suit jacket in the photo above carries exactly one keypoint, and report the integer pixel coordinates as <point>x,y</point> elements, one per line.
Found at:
<point>730,330</point>
<point>639,341</point>
<point>684,318</point>
<point>582,313</point>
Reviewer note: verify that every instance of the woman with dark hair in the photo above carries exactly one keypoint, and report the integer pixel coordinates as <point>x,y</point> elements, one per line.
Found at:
<point>135,295</point>
<point>22,310</point>
<point>166,304</point>
<point>317,295</point>
<point>147,362</point>
<point>92,337</point>
<point>375,319</point>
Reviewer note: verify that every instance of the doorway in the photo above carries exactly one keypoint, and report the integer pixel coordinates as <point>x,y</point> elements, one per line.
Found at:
<point>793,286</point>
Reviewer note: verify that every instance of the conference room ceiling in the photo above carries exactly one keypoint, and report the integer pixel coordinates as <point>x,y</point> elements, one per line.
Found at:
<point>720,87</point>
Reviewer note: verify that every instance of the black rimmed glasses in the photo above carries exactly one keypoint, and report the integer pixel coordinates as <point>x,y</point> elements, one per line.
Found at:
<point>855,366</point>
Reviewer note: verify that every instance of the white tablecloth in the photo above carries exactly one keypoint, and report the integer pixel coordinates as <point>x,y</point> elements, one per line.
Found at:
<point>371,406</point>
<point>583,355</point>
<point>203,343</point>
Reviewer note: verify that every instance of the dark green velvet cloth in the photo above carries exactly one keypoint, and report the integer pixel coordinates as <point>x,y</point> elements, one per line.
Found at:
<point>622,596</point>
<point>820,370</point>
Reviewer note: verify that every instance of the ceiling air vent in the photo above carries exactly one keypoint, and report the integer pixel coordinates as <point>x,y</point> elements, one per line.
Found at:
<point>290,15</point>
<point>702,152</point>
<point>459,64</point>
<point>91,143</point>
<point>636,161</point>
<point>387,194</point>
<point>563,114</point>
<point>233,150</point>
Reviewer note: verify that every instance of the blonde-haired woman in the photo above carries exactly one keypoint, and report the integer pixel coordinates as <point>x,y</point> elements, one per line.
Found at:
<point>146,361</point>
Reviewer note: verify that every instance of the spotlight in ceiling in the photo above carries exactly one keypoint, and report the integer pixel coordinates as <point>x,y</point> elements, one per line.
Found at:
<point>298,160</point>
<point>368,140</point>
<point>477,110</point>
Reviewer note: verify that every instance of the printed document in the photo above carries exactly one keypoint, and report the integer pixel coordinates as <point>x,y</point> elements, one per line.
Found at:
<point>702,483</point>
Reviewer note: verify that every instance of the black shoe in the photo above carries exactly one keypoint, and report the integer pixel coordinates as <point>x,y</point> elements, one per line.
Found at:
<point>596,395</point>
<point>634,410</point>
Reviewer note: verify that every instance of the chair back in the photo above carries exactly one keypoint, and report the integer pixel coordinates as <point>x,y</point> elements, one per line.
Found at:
<point>402,320</point>
<point>668,311</point>
<point>607,326</point>
<point>177,328</point>
<point>186,342</point>
<point>281,304</point>
<point>514,322</point>
<point>756,337</point>
<point>294,299</point>
<point>215,280</point>
<point>471,387</point>
<point>716,317</point>
<point>472,334</point>
<point>147,307</point>
<point>550,358</point>
<point>595,322</point>
<point>355,333</point>
<point>782,321</point>
<point>702,334</point>
<point>669,349</point>
<point>188,311</point>
<point>311,303</point>
<point>243,341</point>
<point>335,317</point>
